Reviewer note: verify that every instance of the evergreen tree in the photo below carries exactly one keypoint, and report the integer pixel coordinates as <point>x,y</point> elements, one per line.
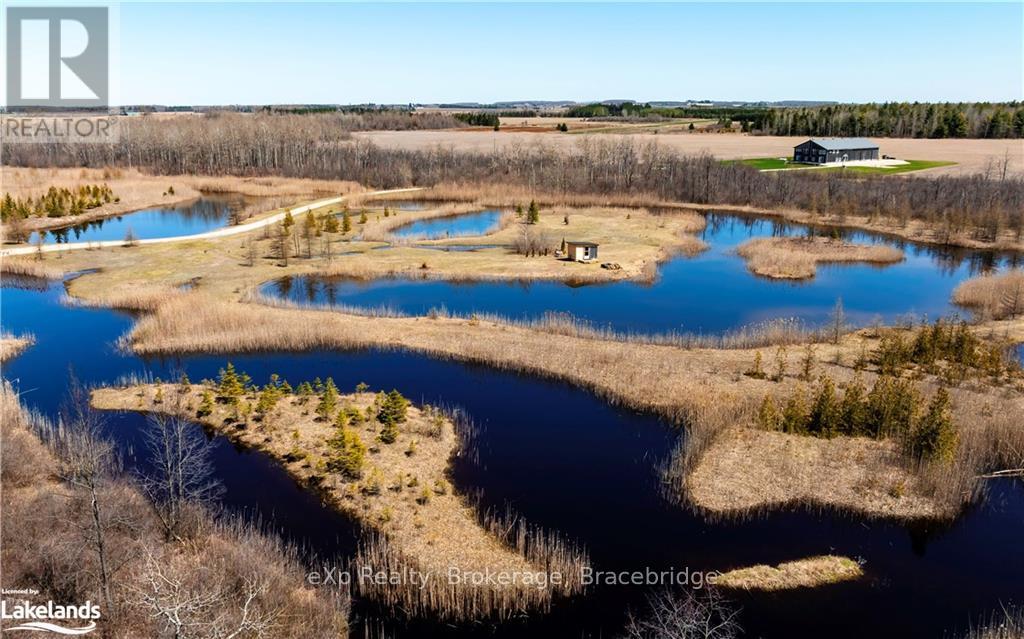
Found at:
<point>389,432</point>
<point>288,221</point>
<point>794,414</point>
<point>206,404</point>
<point>230,386</point>
<point>934,437</point>
<point>533,214</point>
<point>892,405</point>
<point>768,416</point>
<point>362,216</point>
<point>807,364</point>
<point>348,453</point>
<point>331,224</point>
<point>304,391</point>
<point>825,413</point>
<point>393,408</point>
<point>328,400</point>
<point>268,399</point>
<point>346,222</point>
<point>780,364</point>
<point>854,409</point>
<point>757,370</point>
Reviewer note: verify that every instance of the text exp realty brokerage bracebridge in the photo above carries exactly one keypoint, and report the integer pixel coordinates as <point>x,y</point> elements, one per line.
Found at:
<point>455,576</point>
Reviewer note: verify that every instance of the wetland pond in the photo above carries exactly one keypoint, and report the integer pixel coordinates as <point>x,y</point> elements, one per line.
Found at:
<point>711,293</point>
<point>592,478</point>
<point>459,225</point>
<point>207,213</point>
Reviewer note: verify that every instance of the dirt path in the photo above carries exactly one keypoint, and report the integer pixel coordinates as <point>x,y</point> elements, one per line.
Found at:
<point>209,235</point>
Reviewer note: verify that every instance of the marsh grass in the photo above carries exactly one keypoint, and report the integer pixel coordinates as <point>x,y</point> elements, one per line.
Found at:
<point>775,332</point>
<point>48,269</point>
<point>468,596</point>
<point>810,572</point>
<point>993,295</point>
<point>1005,623</point>
<point>226,562</point>
<point>797,258</point>
<point>12,345</point>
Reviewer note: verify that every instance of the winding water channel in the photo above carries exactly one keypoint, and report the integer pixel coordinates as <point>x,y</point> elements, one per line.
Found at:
<point>711,293</point>
<point>593,477</point>
<point>197,216</point>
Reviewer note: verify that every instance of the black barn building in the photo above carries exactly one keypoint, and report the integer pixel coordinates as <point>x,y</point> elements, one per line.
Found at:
<point>829,150</point>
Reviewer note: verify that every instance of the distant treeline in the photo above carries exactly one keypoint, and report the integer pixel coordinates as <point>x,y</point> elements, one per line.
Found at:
<point>478,118</point>
<point>312,146</point>
<point>892,119</point>
<point>638,110</point>
<point>900,120</point>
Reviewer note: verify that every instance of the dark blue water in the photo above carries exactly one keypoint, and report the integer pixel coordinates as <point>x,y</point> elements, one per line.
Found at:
<point>591,477</point>
<point>402,205</point>
<point>462,225</point>
<point>205,214</point>
<point>711,293</point>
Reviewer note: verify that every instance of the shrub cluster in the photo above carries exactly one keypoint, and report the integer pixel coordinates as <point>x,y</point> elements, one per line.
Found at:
<point>348,451</point>
<point>945,348</point>
<point>893,409</point>
<point>57,202</point>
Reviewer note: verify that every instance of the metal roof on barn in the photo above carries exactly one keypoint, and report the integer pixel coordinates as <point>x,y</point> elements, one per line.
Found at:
<point>841,144</point>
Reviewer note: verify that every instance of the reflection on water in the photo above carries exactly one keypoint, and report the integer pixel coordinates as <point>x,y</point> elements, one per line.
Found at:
<point>462,225</point>
<point>591,477</point>
<point>205,214</point>
<point>711,293</point>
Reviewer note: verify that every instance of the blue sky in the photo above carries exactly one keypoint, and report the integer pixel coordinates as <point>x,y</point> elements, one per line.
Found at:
<point>220,53</point>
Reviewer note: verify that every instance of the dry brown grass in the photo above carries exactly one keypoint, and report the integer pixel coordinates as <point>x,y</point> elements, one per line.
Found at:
<point>11,346</point>
<point>994,295</point>
<point>49,268</point>
<point>703,388</point>
<point>511,194</point>
<point>404,495</point>
<point>747,470</point>
<point>801,573</point>
<point>636,239</point>
<point>1005,623</point>
<point>138,190</point>
<point>797,258</point>
<point>971,156</point>
<point>47,545</point>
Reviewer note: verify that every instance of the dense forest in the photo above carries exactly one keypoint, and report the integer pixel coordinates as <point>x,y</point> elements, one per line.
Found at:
<point>890,120</point>
<point>900,120</point>
<point>313,146</point>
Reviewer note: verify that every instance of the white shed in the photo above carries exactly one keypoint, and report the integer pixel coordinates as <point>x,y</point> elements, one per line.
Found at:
<point>581,251</point>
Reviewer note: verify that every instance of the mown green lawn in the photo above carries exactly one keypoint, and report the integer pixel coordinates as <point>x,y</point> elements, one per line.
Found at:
<point>763,164</point>
<point>912,165</point>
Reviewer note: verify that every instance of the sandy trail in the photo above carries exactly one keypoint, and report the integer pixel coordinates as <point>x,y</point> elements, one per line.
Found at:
<point>209,235</point>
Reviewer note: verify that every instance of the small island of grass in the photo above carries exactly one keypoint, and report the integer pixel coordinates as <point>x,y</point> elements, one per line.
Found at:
<point>798,257</point>
<point>384,461</point>
<point>801,573</point>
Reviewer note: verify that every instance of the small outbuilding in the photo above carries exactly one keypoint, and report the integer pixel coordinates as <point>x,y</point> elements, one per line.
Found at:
<point>581,251</point>
<point>835,150</point>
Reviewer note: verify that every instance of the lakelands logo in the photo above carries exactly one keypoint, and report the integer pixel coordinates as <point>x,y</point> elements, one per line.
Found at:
<point>74,619</point>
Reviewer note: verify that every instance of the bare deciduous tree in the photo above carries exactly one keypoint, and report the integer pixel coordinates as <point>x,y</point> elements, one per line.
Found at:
<point>215,606</point>
<point>686,615</point>
<point>182,474</point>
<point>88,462</point>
